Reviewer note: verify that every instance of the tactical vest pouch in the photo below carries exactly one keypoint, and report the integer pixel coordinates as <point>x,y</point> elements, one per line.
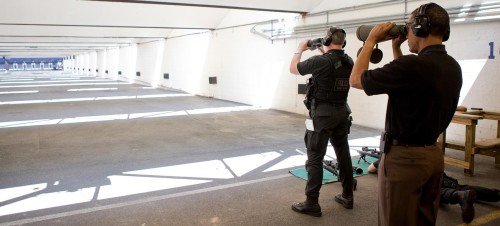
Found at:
<point>308,102</point>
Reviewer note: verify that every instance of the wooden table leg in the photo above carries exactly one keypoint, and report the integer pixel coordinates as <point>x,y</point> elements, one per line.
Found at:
<point>470,138</point>
<point>498,128</point>
<point>497,157</point>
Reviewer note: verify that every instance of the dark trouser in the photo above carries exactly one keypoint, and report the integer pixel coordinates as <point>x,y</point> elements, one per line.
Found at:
<point>334,128</point>
<point>482,193</point>
<point>409,185</point>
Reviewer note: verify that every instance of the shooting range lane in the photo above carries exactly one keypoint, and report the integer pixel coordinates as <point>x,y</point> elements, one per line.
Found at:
<point>218,162</point>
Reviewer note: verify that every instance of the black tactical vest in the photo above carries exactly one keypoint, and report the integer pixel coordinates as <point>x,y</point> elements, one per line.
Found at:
<point>334,86</point>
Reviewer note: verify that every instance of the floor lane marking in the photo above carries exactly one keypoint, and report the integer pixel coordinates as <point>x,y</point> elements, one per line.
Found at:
<point>493,215</point>
<point>141,201</point>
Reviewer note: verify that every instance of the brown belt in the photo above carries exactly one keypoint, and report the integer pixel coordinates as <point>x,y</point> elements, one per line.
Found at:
<point>405,144</point>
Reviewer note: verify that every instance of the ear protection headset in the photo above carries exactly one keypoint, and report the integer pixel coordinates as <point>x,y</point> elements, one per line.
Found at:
<point>328,39</point>
<point>422,24</point>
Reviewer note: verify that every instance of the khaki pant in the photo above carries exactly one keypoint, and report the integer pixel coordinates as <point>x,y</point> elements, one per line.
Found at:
<point>409,185</point>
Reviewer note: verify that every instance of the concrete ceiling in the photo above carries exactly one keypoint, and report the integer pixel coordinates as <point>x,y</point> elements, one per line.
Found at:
<point>67,27</point>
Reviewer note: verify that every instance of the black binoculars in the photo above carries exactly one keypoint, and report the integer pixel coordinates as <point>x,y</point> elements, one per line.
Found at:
<point>364,30</point>
<point>315,43</point>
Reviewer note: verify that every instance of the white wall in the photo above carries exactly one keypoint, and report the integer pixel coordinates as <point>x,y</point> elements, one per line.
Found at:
<point>127,63</point>
<point>249,69</point>
<point>469,44</point>
<point>185,59</point>
<point>149,62</point>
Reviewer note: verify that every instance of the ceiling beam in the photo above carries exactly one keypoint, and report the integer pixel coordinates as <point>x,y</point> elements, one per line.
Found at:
<point>199,5</point>
<point>106,26</point>
<point>46,50</point>
<point>70,36</point>
<point>68,46</point>
<point>124,43</point>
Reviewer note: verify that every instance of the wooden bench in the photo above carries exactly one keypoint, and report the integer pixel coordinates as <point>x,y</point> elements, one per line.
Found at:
<point>490,147</point>
<point>470,122</point>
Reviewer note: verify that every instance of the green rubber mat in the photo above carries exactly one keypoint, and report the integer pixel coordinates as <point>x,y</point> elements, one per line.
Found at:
<point>329,177</point>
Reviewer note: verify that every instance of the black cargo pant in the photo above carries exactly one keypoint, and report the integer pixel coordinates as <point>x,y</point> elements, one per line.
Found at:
<point>451,185</point>
<point>330,123</point>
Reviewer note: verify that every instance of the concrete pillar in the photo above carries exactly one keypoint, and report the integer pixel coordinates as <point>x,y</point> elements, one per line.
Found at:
<point>75,64</point>
<point>65,63</point>
<point>86,64</point>
<point>93,64</point>
<point>80,64</point>
<point>127,63</point>
<point>112,63</point>
<point>149,62</point>
<point>101,63</point>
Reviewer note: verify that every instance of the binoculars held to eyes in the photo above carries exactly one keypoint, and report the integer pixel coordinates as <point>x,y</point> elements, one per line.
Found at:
<point>315,43</point>
<point>364,30</point>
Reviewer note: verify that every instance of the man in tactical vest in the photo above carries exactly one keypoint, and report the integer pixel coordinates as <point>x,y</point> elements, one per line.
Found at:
<point>329,113</point>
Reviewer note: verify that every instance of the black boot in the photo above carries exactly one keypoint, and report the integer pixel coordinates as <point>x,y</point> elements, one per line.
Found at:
<point>466,200</point>
<point>312,209</point>
<point>347,202</point>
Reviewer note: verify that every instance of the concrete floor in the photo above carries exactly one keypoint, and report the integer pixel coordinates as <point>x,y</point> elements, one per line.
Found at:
<point>169,159</point>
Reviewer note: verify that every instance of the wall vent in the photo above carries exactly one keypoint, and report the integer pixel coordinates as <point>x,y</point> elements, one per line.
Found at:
<point>212,80</point>
<point>302,89</point>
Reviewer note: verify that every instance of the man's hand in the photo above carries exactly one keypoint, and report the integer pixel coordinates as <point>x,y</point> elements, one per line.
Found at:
<point>380,33</point>
<point>396,42</point>
<point>396,46</point>
<point>296,57</point>
<point>303,46</point>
